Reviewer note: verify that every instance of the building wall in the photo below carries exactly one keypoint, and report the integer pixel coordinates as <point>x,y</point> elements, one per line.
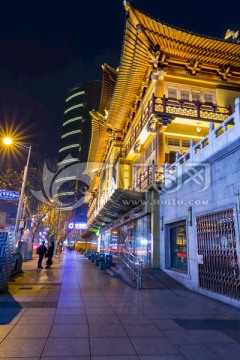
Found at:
<point>212,189</point>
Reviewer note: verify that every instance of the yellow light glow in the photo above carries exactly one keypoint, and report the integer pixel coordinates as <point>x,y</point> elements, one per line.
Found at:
<point>7,141</point>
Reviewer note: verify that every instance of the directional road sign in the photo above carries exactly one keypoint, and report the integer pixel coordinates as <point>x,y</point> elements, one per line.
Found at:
<point>9,195</point>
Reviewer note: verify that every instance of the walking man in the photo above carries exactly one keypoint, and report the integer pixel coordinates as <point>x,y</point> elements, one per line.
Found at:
<point>41,251</point>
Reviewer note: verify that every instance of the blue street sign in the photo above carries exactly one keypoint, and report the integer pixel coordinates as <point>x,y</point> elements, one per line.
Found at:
<point>9,195</point>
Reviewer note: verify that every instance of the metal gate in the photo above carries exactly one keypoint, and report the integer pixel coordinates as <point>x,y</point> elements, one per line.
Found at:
<point>216,239</point>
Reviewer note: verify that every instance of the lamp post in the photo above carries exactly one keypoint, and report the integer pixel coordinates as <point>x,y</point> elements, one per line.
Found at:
<point>8,141</point>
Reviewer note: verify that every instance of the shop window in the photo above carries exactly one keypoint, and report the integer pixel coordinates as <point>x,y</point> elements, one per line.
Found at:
<point>178,247</point>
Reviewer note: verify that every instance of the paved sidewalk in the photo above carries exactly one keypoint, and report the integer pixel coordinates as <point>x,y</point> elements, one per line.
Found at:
<point>75,311</point>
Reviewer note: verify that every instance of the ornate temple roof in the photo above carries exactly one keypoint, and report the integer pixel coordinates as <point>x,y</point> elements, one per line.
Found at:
<point>149,44</point>
<point>100,138</point>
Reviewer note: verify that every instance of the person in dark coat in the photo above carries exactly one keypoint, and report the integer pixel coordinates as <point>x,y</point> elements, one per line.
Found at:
<point>41,251</point>
<point>49,255</point>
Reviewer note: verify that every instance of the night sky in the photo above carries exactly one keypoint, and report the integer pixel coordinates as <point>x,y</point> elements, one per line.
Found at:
<point>48,46</point>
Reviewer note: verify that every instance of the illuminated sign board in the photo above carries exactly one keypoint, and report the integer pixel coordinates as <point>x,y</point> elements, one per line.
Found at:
<point>77,226</point>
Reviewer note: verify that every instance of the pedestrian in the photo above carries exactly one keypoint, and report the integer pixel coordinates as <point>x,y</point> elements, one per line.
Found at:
<point>41,251</point>
<point>49,255</point>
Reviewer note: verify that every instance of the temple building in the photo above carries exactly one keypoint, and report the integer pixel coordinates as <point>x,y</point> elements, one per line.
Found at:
<point>163,155</point>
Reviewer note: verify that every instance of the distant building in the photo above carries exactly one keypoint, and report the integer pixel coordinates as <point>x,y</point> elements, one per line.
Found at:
<point>75,141</point>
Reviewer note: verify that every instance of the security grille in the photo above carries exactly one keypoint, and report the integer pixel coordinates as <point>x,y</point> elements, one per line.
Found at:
<point>216,241</point>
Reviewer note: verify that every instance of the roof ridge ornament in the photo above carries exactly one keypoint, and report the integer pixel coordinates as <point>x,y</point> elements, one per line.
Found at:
<point>225,72</point>
<point>232,35</point>
<point>126,5</point>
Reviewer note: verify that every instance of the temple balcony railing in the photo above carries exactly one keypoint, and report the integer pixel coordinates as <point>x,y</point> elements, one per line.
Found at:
<point>90,219</point>
<point>152,176</point>
<point>92,207</point>
<point>165,110</point>
<point>217,138</point>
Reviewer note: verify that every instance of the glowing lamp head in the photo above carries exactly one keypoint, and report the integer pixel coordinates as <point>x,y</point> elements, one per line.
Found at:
<point>198,127</point>
<point>7,141</point>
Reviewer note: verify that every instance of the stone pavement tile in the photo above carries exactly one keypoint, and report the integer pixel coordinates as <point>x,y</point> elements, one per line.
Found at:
<point>73,319</point>
<point>199,352</point>
<point>180,337</point>
<point>154,346</point>
<point>64,358</point>
<point>103,319</point>
<point>72,331</point>
<point>161,316</point>
<point>111,346</point>
<point>226,351</point>
<point>40,311</point>
<point>29,331</point>
<point>166,324</point>
<point>28,358</point>
<point>70,290</point>
<point>201,315</point>
<point>36,319</point>
<point>135,319</point>
<point>143,331</point>
<point>70,304</point>
<point>127,310</point>
<point>99,311</point>
<point>111,330</point>
<point>98,304</point>
<point>162,357</point>
<point>180,310</point>
<point>112,357</point>
<point>70,297</point>
<point>70,311</point>
<point>66,347</point>
<point>4,330</point>
<point>156,310</point>
<point>93,297</point>
<point>21,348</point>
<point>212,337</point>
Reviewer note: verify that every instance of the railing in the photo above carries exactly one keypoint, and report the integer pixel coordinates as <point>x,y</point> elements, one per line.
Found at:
<point>133,266</point>
<point>92,207</point>
<point>162,106</point>
<point>153,175</point>
<point>191,109</point>
<point>211,143</point>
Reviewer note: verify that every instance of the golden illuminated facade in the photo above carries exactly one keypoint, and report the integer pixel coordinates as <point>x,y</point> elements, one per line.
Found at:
<point>169,86</point>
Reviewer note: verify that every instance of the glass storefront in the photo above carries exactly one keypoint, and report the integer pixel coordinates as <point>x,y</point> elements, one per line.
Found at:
<point>135,237</point>
<point>178,247</point>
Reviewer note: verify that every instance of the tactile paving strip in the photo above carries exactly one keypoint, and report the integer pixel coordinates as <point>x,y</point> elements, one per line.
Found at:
<point>208,324</point>
<point>28,304</point>
<point>46,297</point>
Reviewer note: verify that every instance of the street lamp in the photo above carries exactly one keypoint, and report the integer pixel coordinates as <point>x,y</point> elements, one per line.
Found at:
<point>8,141</point>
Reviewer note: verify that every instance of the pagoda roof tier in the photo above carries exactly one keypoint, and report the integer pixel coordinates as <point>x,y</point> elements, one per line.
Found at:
<point>148,41</point>
<point>108,84</point>
<point>150,44</point>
